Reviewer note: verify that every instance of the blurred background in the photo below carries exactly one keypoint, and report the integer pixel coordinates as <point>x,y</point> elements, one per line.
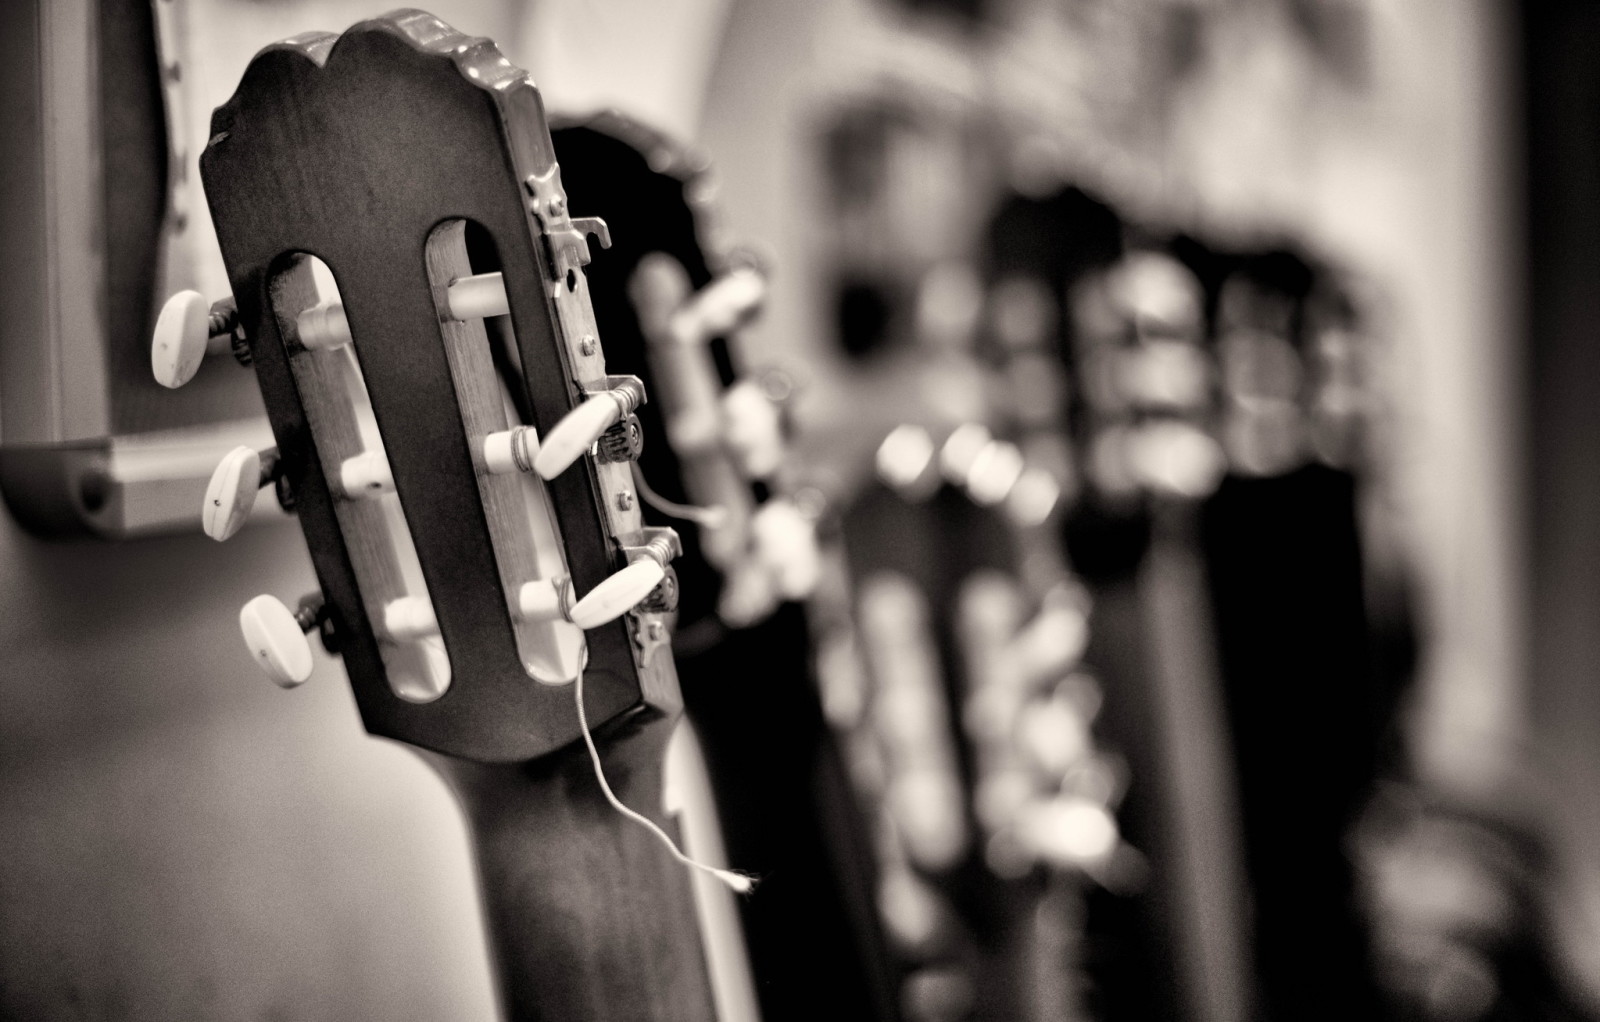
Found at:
<point>1240,349</point>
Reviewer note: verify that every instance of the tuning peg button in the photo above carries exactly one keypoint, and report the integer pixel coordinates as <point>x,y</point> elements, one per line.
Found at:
<point>188,329</point>
<point>647,584</point>
<point>753,429</point>
<point>724,304</point>
<point>231,494</point>
<point>618,594</point>
<point>276,638</point>
<point>580,428</point>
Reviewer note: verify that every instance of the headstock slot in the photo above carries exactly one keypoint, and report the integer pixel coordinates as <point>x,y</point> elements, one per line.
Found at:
<point>377,539</point>
<point>522,527</point>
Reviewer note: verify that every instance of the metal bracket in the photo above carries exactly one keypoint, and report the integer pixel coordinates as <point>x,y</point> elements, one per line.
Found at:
<point>567,236</point>
<point>630,389</point>
<point>649,633</point>
<point>658,542</point>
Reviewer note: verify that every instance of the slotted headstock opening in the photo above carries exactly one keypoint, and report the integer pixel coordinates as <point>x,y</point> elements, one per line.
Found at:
<point>486,369</point>
<point>416,161</point>
<point>305,296</point>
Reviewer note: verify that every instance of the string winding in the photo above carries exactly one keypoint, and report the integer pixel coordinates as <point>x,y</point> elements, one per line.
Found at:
<point>739,883</point>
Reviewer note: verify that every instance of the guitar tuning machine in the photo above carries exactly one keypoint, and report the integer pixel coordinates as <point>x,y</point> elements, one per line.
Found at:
<point>623,441</point>
<point>611,402</point>
<point>647,585</point>
<point>661,546</point>
<point>243,472</point>
<point>276,636</point>
<point>567,236</point>
<point>645,628</point>
<point>188,329</point>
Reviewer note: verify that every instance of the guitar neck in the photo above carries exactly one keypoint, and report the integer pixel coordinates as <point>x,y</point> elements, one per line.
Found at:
<point>587,918</point>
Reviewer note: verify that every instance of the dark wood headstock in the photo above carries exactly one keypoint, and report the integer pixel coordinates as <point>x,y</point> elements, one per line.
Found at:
<point>377,152</point>
<point>416,165</point>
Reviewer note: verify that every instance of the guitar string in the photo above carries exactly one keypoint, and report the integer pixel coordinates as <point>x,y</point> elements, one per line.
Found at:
<point>739,883</point>
<point>709,517</point>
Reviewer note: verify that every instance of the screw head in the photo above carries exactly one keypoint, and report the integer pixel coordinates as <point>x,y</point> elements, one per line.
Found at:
<point>655,631</point>
<point>557,206</point>
<point>625,500</point>
<point>587,345</point>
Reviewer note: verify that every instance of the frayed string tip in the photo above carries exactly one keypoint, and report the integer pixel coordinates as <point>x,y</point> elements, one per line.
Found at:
<point>738,883</point>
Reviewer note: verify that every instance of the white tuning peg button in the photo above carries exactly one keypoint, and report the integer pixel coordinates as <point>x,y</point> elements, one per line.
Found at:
<point>785,542</point>
<point>580,428</point>
<point>231,494</point>
<point>724,304</point>
<point>188,329</point>
<point>752,429</point>
<point>277,641</point>
<point>618,594</point>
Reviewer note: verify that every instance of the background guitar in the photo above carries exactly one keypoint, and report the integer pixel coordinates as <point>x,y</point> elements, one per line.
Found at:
<point>671,304</point>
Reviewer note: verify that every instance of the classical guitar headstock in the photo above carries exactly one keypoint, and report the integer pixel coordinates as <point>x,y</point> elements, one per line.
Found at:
<point>672,307</point>
<point>468,571</point>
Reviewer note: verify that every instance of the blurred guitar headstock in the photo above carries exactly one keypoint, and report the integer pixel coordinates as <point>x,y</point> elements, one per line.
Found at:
<point>673,306</point>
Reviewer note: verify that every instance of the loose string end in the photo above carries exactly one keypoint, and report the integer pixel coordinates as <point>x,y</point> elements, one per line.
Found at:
<point>714,517</point>
<point>738,883</point>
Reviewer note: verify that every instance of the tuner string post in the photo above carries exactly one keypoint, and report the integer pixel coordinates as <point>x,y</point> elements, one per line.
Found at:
<point>365,475</point>
<point>509,450</point>
<point>323,326</point>
<point>271,466</point>
<point>311,611</point>
<point>545,599</point>
<point>480,296</point>
<point>315,613</point>
<point>409,619</point>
